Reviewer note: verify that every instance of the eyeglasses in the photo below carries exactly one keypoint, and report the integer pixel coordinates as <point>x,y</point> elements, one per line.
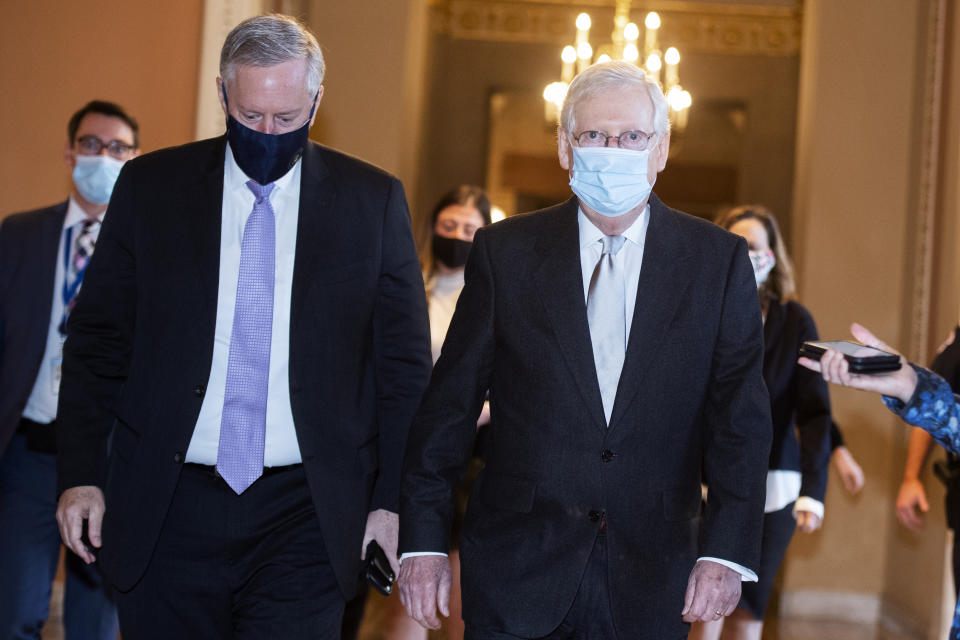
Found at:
<point>632,140</point>
<point>92,145</point>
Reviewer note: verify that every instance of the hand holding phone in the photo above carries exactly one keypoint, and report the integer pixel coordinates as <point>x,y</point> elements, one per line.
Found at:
<point>862,359</point>
<point>377,570</point>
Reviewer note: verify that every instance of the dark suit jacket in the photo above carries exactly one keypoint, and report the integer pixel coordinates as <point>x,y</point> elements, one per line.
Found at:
<point>141,342</point>
<point>799,399</point>
<point>28,264</point>
<point>690,395</point>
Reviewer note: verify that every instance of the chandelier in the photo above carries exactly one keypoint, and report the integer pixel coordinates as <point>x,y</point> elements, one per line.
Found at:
<point>664,67</point>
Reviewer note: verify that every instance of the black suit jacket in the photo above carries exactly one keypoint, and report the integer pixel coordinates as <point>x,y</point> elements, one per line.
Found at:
<point>141,342</point>
<point>799,399</point>
<point>28,264</point>
<point>690,396</point>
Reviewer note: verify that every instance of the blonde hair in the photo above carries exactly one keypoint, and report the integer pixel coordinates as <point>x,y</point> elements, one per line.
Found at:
<point>780,286</point>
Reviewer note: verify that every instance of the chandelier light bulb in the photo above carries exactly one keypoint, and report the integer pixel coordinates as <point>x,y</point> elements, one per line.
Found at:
<point>583,22</point>
<point>672,56</point>
<point>631,53</point>
<point>653,63</point>
<point>555,92</point>
<point>584,51</point>
<point>652,20</point>
<point>631,31</point>
<point>569,54</point>
<point>603,58</point>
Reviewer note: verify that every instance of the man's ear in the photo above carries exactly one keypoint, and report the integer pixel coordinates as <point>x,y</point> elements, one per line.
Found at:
<point>564,152</point>
<point>68,156</point>
<point>220,96</point>
<point>663,150</point>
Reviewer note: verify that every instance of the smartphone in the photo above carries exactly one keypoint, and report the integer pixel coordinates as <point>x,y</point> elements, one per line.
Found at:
<point>377,570</point>
<point>862,359</point>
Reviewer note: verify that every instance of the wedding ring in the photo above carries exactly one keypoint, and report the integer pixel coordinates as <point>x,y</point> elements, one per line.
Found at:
<point>719,613</point>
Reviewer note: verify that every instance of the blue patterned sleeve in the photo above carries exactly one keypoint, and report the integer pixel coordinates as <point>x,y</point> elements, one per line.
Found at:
<point>933,408</point>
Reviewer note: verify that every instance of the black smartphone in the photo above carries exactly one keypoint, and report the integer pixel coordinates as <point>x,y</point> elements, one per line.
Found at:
<point>377,570</point>
<point>862,359</point>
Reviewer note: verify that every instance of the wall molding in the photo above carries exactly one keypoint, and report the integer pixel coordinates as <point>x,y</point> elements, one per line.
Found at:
<point>695,27</point>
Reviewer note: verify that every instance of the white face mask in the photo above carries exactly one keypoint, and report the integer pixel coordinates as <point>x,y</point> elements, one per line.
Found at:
<point>763,262</point>
<point>94,177</point>
<point>609,180</point>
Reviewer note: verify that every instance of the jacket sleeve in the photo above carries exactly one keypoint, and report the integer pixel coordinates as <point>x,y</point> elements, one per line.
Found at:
<point>812,401</point>
<point>443,433</point>
<point>738,424</point>
<point>96,355</point>
<point>401,345</point>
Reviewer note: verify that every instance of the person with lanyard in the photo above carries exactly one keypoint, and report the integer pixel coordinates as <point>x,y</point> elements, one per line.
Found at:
<point>43,259</point>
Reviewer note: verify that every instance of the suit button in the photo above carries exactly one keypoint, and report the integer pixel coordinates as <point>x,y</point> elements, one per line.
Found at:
<point>594,516</point>
<point>178,457</point>
<point>199,390</point>
<point>606,455</point>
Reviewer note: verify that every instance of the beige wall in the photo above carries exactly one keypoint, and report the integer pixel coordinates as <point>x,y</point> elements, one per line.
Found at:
<point>56,56</point>
<point>860,156</point>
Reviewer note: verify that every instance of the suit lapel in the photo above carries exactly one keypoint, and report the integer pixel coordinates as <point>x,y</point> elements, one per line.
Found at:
<point>560,285</point>
<point>659,291</point>
<point>203,211</point>
<point>316,229</point>
<point>47,259</point>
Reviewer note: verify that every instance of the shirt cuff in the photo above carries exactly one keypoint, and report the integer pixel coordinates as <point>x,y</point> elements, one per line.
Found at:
<point>804,503</point>
<point>747,575</point>
<point>414,554</point>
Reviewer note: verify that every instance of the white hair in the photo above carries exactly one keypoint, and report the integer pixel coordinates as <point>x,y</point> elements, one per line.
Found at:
<point>268,40</point>
<point>614,75</point>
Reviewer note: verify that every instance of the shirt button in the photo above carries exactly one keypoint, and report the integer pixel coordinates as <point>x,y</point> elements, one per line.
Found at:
<point>594,516</point>
<point>606,455</point>
<point>199,390</point>
<point>178,457</point>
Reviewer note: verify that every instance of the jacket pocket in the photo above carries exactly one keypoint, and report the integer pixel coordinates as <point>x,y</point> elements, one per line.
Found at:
<point>514,493</point>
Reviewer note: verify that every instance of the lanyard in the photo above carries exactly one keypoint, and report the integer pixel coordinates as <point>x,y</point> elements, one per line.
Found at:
<point>69,290</point>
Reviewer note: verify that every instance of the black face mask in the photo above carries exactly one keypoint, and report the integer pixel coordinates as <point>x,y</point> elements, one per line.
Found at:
<point>452,252</point>
<point>266,157</point>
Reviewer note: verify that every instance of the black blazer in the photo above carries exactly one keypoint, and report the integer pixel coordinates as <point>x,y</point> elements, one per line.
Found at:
<point>141,336</point>
<point>28,265</point>
<point>690,396</point>
<point>799,399</point>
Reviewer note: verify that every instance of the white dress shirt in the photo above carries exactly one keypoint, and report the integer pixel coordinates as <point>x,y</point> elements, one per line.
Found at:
<point>280,441</point>
<point>42,404</point>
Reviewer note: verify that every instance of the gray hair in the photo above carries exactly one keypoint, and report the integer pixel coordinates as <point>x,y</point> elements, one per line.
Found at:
<point>615,74</point>
<point>265,41</point>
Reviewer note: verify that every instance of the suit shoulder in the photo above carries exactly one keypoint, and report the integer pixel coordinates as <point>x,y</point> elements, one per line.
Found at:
<point>347,167</point>
<point>531,222</point>
<point>176,158</point>
<point>28,219</point>
<point>698,227</point>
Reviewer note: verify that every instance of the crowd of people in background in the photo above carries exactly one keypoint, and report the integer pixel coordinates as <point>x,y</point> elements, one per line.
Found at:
<point>227,371</point>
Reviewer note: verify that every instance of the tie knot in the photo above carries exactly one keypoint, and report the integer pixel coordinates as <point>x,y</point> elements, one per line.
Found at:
<point>260,191</point>
<point>612,244</point>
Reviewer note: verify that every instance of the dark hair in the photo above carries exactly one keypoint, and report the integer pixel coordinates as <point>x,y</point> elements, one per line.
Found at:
<point>107,109</point>
<point>467,195</point>
<point>780,285</point>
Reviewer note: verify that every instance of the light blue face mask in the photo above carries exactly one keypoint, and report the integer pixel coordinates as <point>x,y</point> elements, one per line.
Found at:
<point>94,177</point>
<point>609,180</point>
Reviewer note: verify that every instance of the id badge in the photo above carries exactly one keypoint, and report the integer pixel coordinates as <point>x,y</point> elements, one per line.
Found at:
<point>56,369</point>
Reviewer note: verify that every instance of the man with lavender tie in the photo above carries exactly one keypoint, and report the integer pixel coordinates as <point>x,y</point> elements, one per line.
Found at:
<point>243,364</point>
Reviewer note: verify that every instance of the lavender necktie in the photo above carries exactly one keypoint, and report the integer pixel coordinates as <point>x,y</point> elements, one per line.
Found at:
<point>244,419</point>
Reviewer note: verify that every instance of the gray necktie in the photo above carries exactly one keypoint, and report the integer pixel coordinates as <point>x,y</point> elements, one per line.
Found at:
<point>607,317</point>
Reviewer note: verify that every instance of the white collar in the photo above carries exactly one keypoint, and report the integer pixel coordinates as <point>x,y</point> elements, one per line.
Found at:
<point>591,234</point>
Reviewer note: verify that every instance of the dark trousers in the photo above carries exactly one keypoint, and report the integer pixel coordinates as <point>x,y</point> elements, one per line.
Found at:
<point>30,549</point>
<point>229,566</point>
<point>589,618</point>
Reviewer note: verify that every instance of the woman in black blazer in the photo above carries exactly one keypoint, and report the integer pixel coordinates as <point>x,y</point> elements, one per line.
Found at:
<point>800,406</point>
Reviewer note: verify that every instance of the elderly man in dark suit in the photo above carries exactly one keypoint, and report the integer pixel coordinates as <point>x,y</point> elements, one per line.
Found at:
<point>243,364</point>
<point>621,344</point>
<point>43,257</point>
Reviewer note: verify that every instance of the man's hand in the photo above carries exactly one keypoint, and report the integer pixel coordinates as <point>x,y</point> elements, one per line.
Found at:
<point>76,505</point>
<point>383,526</point>
<point>713,591</point>
<point>911,500</point>
<point>425,587</point>
<point>807,521</point>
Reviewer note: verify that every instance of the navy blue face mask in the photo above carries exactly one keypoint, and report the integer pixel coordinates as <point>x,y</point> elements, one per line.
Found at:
<point>266,157</point>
